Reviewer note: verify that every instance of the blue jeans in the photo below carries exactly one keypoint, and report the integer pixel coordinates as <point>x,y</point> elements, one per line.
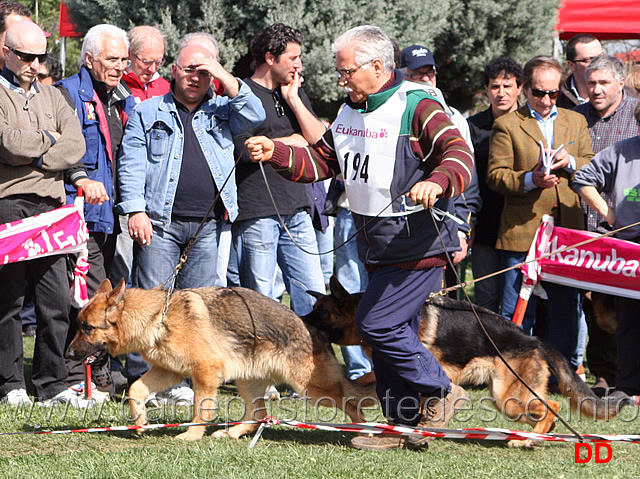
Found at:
<point>263,242</point>
<point>512,282</point>
<point>354,278</point>
<point>325,244</point>
<point>154,264</point>
<point>488,292</point>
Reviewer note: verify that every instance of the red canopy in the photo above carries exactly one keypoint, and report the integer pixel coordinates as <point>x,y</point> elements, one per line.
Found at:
<point>605,19</point>
<point>67,29</point>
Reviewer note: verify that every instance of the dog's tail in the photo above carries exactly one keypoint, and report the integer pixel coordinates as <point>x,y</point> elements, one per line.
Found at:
<point>580,396</point>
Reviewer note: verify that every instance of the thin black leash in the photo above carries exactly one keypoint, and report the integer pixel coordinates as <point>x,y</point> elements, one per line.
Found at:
<point>495,346</point>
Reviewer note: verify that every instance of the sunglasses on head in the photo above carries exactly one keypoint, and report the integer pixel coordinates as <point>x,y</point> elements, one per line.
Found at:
<point>29,57</point>
<point>553,94</point>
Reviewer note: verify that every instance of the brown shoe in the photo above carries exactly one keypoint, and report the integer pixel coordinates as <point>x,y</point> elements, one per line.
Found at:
<point>437,412</point>
<point>378,442</point>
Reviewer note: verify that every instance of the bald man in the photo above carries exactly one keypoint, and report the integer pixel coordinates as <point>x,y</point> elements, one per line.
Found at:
<point>177,153</point>
<point>10,13</point>
<point>40,138</point>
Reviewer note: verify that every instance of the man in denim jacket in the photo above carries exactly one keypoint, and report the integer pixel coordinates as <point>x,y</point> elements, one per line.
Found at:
<point>177,154</point>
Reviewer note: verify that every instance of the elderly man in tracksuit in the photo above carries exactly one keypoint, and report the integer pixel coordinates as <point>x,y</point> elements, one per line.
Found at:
<point>396,149</point>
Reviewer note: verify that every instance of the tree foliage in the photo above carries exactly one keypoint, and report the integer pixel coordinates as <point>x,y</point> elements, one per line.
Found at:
<point>464,34</point>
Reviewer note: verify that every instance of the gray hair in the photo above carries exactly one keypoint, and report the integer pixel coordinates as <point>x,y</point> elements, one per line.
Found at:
<point>369,42</point>
<point>94,39</point>
<point>138,36</point>
<point>607,63</point>
<point>190,37</point>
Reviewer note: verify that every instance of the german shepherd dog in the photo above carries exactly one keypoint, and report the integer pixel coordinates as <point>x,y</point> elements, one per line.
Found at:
<point>450,330</point>
<point>214,335</point>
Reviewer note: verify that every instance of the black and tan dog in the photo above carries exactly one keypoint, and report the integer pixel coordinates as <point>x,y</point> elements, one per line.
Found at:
<point>214,335</point>
<point>450,330</point>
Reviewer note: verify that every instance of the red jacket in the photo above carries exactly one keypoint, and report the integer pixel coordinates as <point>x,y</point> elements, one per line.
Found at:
<point>157,87</point>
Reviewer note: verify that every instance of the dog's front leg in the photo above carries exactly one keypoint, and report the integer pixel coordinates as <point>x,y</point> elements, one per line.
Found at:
<point>154,380</point>
<point>205,387</point>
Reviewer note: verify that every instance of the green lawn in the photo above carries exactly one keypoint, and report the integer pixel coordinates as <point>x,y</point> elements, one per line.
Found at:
<point>286,452</point>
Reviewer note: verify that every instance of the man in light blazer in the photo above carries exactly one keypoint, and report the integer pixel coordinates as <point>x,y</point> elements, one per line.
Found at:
<point>516,171</point>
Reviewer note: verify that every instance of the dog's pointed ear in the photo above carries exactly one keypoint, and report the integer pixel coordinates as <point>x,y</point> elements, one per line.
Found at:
<point>315,294</point>
<point>117,294</point>
<point>104,287</point>
<point>337,290</point>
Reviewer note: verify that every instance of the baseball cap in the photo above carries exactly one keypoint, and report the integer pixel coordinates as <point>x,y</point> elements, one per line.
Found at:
<point>417,56</point>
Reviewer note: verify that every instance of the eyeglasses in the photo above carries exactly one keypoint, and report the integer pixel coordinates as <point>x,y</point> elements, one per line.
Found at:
<point>344,72</point>
<point>111,62</point>
<point>417,75</point>
<point>148,63</point>
<point>43,76</point>
<point>584,60</point>
<point>29,57</point>
<point>553,94</point>
<point>278,106</point>
<point>194,71</point>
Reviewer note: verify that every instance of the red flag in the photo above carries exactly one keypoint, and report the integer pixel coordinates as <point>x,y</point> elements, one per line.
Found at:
<point>67,28</point>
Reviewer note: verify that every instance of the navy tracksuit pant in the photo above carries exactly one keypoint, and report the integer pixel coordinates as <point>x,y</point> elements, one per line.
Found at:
<point>389,319</point>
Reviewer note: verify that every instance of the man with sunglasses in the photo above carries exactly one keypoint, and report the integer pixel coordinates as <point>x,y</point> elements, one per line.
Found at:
<point>531,191</point>
<point>261,241</point>
<point>40,139</point>
<point>581,49</point>
<point>147,46</point>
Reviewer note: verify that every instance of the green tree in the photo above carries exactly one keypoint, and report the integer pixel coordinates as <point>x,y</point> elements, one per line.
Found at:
<point>478,31</point>
<point>464,34</point>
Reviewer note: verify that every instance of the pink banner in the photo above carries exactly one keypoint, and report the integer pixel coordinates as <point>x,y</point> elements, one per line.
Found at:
<point>607,265</point>
<point>60,231</point>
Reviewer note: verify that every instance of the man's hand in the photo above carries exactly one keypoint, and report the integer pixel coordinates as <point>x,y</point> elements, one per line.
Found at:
<point>140,228</point>
<point>425,193</point>
<point>290,90</point>
<point>217,71</point>
<point>260,148</point>
<point>541,179</point>
<point>561,160</point>
<point>462,254</point>
<point>94,191</point>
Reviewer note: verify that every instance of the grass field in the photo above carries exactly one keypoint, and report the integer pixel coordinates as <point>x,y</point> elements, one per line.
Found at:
<point>284,452</point>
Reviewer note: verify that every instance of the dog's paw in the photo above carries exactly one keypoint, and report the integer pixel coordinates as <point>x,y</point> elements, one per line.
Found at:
<point>189,436</point>
<point>526,444</point>
<point>222,434</point>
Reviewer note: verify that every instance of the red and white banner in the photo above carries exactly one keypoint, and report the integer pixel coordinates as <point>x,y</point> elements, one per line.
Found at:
<point>59,231</point>
<point>607,265</point>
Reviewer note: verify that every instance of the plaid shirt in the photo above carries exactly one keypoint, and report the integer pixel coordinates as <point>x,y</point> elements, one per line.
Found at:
<point>604,132</point>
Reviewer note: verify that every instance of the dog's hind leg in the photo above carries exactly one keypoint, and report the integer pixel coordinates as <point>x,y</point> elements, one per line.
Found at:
<point>154,380</point>
<point>252,392</point>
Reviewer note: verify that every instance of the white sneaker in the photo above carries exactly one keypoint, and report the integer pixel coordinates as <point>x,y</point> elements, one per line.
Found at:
<point>69,396</point>
<point>99,396</point>
<point>181,396</point>
<point>17,397</point>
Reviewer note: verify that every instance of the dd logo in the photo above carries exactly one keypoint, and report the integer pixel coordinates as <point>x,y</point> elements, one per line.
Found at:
<point>598,456</point>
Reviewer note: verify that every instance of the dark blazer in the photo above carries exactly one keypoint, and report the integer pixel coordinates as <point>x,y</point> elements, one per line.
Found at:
<point>514,151</point>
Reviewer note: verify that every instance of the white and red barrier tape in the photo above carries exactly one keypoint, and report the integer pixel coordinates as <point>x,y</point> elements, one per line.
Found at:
<point>491,434</point>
